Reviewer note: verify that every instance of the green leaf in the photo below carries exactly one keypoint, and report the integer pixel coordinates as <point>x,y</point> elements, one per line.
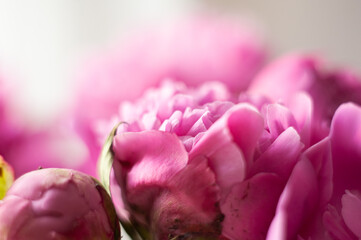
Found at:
<point>106,159</point>
<point>105,163</point>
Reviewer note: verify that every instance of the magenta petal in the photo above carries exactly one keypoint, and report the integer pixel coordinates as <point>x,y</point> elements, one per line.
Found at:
<point>297,202</point>
<point>189,206</point>
<point>335,225</point>
<point>145,162</point>
<point>246,126</point>
<point>301,106</point>
<point>278,119</point>
<point>346,150</point>
<point>351,212</point>
<point>225,143</point>
<point>152,156</point>
<point>250,207</point>
<point>321,159</point>
<point>281,156</point>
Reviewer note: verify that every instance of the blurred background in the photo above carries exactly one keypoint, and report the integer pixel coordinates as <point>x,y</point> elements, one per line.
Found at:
<point>43,43</point>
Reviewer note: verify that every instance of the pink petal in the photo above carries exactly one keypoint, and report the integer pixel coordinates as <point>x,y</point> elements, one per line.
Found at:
<point>346,150</point>
<point>189,206</point>
<point>351,212</point>
<point>147,161</point>
<point>297,202</point>
<point>281,156</point>
<point>301,106</point>
<point>219,143</point>
<point>321,159</point>
<point>250,207</point>
<point>152,156</point>
<point>335,226</point>
<point>246,126</point>
<point>278,119</point>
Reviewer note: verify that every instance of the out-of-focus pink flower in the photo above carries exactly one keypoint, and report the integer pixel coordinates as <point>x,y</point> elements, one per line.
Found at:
<point>194,163</point>
<point>194,51</point>
<point>294,73</point>
<point>54,146</point>
<point>57,204</point>
<point>26,148</point>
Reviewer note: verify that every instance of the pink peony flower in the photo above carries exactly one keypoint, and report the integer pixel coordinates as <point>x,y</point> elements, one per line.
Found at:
<point>195,164</point>
<point>57,204</point>
<point>281,79</point>
<point>194,51</point>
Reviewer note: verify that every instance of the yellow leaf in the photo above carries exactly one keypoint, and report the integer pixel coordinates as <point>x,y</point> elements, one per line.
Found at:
<point>6,177</point>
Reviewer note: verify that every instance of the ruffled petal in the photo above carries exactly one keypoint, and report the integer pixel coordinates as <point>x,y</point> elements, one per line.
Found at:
<point>281,156</point>
<point>227,141</point>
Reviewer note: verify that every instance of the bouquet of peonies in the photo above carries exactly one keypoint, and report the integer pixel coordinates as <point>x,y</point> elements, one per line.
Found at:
<point>207,152</point>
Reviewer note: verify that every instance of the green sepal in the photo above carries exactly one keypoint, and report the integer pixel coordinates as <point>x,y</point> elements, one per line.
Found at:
<point>106,159</point>
<point>105,163</point>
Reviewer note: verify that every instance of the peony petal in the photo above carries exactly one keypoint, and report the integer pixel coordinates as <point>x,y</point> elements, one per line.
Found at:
<point>189,206</point>
<point>335,226</point>
<point>151,156</point>
<point>281,156</point>
<point>246,126</point>
<point>219,144</point>
<point>250,207</point>
<point>297,202</point>
<point>321,159</point>
<point>278,119</point>
<point>346,150</point>
<point>351,212</point>
<point>301,106</point>
<point>147,161</point>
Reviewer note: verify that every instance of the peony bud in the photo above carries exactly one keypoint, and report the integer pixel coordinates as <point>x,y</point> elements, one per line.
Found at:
<point>57,204</point>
